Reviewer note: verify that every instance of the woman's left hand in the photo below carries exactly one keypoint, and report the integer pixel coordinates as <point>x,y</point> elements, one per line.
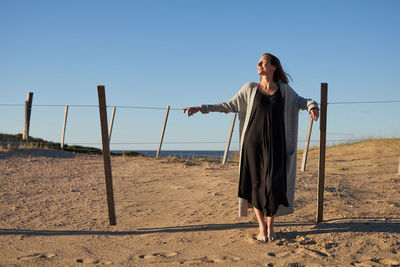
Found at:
<point>314,113</point>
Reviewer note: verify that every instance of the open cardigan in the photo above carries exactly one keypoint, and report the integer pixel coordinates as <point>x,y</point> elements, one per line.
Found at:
<point>242,103</point>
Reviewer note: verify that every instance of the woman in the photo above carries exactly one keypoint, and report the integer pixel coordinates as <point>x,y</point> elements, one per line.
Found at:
<point>268,122</point>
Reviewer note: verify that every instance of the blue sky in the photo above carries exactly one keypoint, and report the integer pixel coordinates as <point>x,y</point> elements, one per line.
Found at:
<point>183,53</point>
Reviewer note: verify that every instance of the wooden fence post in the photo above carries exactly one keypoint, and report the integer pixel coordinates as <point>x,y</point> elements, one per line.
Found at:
<point>228,143</point>
<point>398,172</point>
<point>111,124</point>
<point>106,153</point>
<point>162,133</point>
<point>64,126</point>
<point>28,109</point>
<point>322,151</point>
<point>306,145</point>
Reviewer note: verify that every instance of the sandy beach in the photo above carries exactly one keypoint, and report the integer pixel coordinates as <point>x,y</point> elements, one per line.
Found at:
<point>173,212</point>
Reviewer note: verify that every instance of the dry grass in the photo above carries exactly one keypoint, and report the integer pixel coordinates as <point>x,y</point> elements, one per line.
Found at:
<point>361,174</point>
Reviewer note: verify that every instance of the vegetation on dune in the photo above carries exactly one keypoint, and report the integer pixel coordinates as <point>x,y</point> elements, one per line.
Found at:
<point>83,149</point>
<point>15,141</point>
<point>129,154</point>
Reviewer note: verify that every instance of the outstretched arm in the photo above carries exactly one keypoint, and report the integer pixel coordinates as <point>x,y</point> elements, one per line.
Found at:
<point>233,105</point>
<point>230,106</point>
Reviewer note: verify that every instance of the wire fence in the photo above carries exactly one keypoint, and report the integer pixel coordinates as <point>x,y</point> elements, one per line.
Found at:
<point>189,142</point>
<point>180,109</point>
<point>197,142</point>
<point>163,108</point>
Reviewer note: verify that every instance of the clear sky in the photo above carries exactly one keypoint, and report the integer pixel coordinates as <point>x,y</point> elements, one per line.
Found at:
<point>184,53</point>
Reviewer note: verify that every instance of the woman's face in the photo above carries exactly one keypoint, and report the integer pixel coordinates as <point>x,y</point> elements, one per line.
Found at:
<point>264,66</point>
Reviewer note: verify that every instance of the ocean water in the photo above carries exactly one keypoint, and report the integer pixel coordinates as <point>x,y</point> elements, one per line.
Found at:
<point>186,154</point>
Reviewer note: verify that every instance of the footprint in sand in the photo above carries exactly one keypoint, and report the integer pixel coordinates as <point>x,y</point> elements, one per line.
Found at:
<point>197,261</point>
<point>158,255</point>
<point>331,245</point>
<point>176,187</point>
<point>93,261</point>
<point>37,256</point>
<point>227,258</point>
<point>224,259</point>
<point>311,252</point>
<point>47,255</point>
<point>305,240</point>
<point>87,261</point>
<point>369,263</point>
<point>390,262</point>
<point>285,254</point>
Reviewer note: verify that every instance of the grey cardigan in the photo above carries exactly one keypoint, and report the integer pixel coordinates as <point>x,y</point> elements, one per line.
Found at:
<point>242,103</point>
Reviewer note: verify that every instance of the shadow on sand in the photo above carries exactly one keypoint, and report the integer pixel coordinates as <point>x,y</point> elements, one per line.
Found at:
<point>140,231</point>
<point>348,225</point>
<point>365,225</point>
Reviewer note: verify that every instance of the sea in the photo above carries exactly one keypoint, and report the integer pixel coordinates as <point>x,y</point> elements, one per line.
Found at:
<point>186,154</point>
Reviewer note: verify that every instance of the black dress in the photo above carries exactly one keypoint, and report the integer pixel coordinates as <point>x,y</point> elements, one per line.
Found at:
<point>263,166</point>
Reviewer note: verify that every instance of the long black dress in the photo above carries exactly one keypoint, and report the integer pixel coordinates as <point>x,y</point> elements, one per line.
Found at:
<point>263,167</point>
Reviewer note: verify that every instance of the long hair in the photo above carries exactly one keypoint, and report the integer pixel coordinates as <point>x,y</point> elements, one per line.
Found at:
<point>279,73</point>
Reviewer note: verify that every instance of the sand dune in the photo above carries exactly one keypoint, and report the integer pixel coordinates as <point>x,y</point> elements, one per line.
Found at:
<point>177,212</point>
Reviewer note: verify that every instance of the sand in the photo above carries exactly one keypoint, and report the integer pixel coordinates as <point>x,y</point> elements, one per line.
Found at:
<point>173,212</point>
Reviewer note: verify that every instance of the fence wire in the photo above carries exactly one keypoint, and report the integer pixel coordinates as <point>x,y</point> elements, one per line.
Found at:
<point>189,142</point>
<point>163,108</point>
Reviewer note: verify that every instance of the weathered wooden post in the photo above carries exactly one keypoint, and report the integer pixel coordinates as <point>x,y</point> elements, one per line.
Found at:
<point>106,153</point>
<point>322,150</point>
<point>306,145</point>
<point>64,126</point>
<point>162,132</point>
<point>398,172</point>
<point>111,124</point>
<point>228,143</point>
<point>28,109</point>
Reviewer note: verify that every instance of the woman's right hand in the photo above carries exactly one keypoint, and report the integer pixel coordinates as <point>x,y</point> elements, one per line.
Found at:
<point>191,110</point>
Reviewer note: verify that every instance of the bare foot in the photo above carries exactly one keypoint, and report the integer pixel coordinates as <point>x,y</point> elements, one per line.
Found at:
<point>261,238</point>
<point>271,235</point>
